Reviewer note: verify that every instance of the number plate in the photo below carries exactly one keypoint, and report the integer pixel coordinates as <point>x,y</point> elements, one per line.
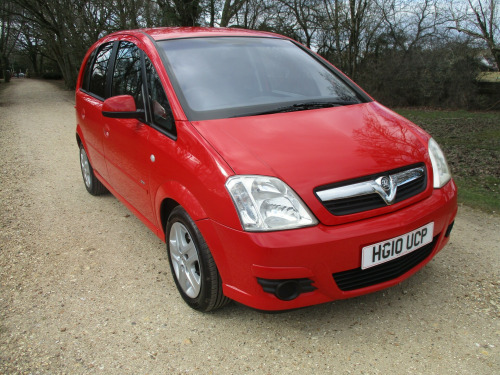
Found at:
<point>396,247</point>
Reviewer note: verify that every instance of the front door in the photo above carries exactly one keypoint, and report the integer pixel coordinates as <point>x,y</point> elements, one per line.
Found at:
<point>126,140</point>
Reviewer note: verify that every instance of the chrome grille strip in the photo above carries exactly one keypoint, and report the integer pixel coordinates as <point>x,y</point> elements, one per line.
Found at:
<point>409,175</point>
<point>373,186</point>
<point>349,191</point>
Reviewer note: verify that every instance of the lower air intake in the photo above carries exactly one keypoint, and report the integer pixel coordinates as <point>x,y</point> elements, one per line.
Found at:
<point>358,278</point>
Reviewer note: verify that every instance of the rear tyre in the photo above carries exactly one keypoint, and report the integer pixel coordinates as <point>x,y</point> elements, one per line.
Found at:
<point>92,184</point>
<point>192,265</point>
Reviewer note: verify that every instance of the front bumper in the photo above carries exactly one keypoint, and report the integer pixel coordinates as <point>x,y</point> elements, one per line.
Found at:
<point>316,253</point>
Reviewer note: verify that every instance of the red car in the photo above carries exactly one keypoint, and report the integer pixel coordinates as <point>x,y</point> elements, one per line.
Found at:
<point>274,180</point>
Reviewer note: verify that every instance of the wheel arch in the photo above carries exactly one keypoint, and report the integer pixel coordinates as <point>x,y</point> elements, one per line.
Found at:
<point>173,194</point>
<point>166,208</point>
<point>81,143</point>
<point>80,138</point>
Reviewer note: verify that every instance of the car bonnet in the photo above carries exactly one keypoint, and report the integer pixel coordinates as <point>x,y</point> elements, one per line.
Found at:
<point>312,148</point>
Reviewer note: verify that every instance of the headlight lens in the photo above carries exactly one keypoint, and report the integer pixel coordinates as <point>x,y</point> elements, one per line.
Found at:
<point>440,167</point>
<point>267,204</point>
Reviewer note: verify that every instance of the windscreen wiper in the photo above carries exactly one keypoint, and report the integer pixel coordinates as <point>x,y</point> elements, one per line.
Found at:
<point>303,107</point>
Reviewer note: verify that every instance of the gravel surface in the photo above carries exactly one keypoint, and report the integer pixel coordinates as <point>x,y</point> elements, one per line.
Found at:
<point>86,287</point>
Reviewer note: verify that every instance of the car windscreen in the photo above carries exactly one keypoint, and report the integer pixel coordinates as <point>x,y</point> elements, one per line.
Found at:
<point>222,77</point>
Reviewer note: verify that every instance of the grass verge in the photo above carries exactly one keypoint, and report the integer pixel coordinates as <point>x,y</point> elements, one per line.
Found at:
<point>471,142</point>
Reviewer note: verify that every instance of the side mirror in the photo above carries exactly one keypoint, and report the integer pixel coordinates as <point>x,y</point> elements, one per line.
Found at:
<point>121,106</point>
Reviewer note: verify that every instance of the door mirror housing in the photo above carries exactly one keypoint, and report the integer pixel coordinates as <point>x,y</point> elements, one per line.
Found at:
<point>121,106</point>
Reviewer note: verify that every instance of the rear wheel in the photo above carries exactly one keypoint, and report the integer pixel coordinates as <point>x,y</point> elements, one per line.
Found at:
<point>192,265</point>
<point>92,184</point>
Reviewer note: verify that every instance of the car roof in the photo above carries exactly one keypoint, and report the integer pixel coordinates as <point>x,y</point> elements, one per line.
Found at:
<point>162,33</point>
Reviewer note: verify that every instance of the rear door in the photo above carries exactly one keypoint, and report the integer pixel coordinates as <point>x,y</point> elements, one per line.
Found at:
<point>89,99</point>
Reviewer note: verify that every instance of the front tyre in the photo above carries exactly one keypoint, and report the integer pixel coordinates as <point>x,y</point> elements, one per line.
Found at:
<point>192,265</point>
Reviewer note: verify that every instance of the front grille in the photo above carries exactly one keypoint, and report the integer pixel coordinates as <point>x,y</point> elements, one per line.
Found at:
<point>353,205</point>
<point>372,200</point>
<point>411,188</point>
<point>358,278</point>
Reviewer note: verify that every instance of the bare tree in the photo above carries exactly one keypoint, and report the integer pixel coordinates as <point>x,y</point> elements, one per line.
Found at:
<point>479,19</point>
<point>358,9</point>
<point>67,27</point>
<point>32,45</point>
<point>332,29</point>
<point>11,26</point>
<point>126,12</point>
<point>301,16</point>
<point>254,14</point>
<point>187,12</point>
<point>230,9</point>
<point>347,30</point>
<point>410,24</point>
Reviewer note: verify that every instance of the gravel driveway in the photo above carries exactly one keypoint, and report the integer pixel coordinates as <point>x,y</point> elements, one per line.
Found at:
<point>86,288</point>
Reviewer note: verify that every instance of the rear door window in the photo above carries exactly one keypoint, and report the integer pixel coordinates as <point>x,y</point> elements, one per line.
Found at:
<point>97,84</point>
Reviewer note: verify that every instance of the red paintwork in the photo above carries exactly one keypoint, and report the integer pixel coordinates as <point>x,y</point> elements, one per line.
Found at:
<point>89,112</point>
<point>319,147</point>
<point>317,252</point>
<point>119,103</point>
<point>305,149</point>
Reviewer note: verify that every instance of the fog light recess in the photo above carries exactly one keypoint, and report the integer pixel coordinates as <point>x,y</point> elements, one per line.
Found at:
<point>286,289</point>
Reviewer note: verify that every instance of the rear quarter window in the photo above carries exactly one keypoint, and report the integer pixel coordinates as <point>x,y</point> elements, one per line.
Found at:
<point>86,72</point>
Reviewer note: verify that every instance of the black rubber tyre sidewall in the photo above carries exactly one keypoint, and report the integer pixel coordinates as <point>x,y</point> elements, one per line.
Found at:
<point>96,187</point>
<point>210,296</point>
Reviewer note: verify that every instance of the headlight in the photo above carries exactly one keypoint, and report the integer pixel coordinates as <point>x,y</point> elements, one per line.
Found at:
<point>440,168</point>
<point>267,204</point>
